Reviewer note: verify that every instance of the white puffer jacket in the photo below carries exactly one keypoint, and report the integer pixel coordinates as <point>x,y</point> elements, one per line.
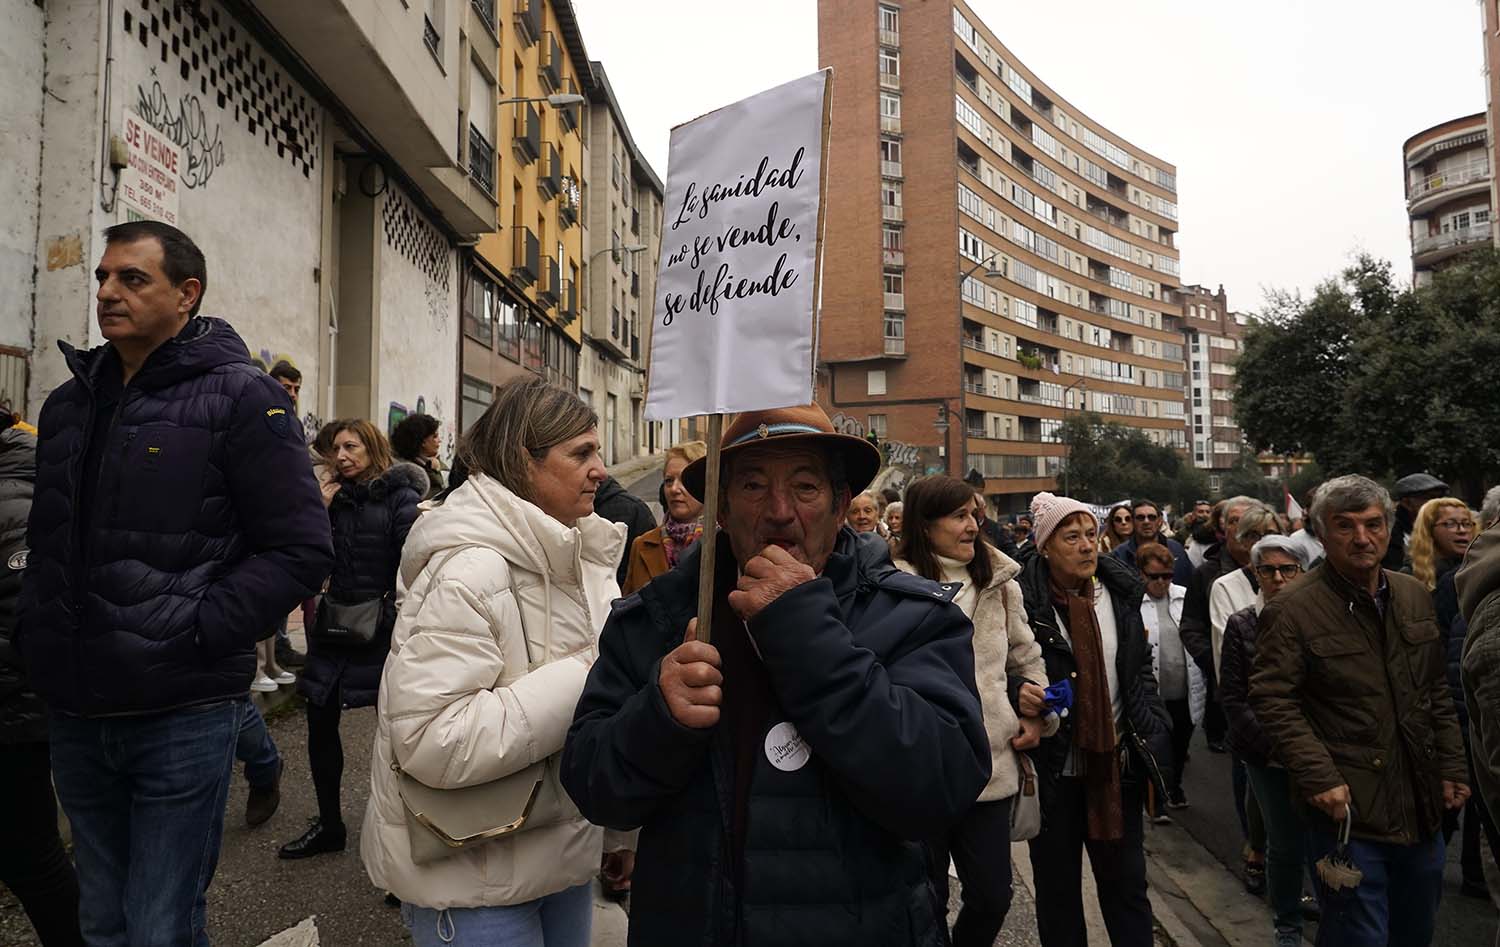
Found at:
<point>496,635</point>
<point>1004,646</point>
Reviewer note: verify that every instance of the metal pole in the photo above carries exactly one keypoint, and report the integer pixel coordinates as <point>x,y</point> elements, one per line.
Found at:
<point>709,544</point>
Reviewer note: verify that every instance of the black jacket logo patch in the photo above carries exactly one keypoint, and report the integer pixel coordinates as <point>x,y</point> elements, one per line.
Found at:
<point>278,421</point>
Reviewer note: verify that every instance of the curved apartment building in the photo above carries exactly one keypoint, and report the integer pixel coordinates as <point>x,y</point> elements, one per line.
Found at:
<point>995,260</point>
<point>1447,169</point>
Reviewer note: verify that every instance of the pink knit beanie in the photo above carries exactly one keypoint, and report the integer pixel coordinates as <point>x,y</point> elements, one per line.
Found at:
<point>1048,512</point>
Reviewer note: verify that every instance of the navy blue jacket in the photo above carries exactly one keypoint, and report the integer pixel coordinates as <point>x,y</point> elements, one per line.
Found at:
<point>206,527</point>
<point>875,668</point>
<point>1182,566</point>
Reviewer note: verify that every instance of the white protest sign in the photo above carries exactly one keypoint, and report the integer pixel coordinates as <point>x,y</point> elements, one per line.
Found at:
<point>735,295</point>
<point>149,185</point>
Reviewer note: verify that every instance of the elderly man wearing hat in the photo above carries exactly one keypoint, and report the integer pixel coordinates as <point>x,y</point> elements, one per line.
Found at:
<point>784,777</point>
<point>1411,492</point>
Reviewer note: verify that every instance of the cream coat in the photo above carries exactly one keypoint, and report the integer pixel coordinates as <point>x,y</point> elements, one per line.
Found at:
<point>497,631</point>
<point>1003,646</point>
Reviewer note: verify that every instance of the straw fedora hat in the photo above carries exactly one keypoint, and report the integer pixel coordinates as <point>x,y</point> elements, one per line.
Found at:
<point>805,426</point>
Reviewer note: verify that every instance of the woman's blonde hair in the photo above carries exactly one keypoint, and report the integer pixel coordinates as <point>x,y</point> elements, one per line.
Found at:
<point>687,452</point>
<point>1423,548</point>
<point>377,448</point>
<point>528,418</point>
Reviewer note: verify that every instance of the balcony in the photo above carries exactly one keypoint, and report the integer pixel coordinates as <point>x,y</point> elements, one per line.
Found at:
<point>890,80</point>
<point>549,63</point>
<point>569,310</point>
<point>974,387</point>
<point>1440,246</point>
<point>528,22</point>
<point>430,37</point>
<point>890,124</point>
<point>481,160</point>
<point>890,169</point>
<point>567,208</point>
<point>891,212</point>
<point>550,177</point>
<point>972,343</point>
<point>890,38</point>
<point>893,257</point>
<point>549,286</point>
<point>895,302</point>
<point>525,256</point>
<point>528,134</point>
<point>567,116</point>
<point>1474,173</point>
<point>895,346</point>
<point>486,11</point>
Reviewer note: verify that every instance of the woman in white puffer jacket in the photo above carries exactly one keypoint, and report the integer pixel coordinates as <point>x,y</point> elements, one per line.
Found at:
<point>508,583</point>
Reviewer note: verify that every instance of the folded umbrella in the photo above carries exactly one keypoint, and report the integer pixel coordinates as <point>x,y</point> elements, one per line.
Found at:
<point>1337,869</point>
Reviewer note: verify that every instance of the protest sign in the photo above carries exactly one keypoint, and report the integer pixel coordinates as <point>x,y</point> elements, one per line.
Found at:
<point>735,319</point>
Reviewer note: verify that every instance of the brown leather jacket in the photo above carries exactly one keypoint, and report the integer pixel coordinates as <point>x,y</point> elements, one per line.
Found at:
<point>1348,697</point>
<point>1478,583</point>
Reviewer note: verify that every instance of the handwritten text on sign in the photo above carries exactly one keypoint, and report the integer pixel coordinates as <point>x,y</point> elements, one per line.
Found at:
<point>734,312</point>
<point>150,183</point>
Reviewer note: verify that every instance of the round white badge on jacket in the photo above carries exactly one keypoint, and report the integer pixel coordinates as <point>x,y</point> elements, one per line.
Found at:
<point>786,749</point>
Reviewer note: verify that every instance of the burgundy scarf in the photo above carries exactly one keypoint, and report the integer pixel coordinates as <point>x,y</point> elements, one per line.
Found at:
<point>676,537</point>
<point>1095,758</point>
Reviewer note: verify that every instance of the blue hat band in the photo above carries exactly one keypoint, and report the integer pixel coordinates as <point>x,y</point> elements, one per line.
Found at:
<point>771,430</point>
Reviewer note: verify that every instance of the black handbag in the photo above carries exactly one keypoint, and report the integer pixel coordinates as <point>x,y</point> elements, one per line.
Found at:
<point>349,624</point>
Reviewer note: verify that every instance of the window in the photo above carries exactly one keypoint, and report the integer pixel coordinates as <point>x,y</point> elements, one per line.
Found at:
<point>890,20</point>
<point>479,309</point>
<point>969,118</point>
<point>894,282</point>
<point>970,246</point>
<point>877,425</point>
<point>432,27</point>
<point>875,382</point>
<point>890,193</point>
<point>890,105</point>
<point>890,63</point>
<point>970,203</point>
<point>890,150</point>
<point>890,239</point>
<point>477,395</point>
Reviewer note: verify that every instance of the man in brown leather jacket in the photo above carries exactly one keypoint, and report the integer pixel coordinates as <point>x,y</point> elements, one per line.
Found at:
<point>1478,583</point>
<point>1349,681</point>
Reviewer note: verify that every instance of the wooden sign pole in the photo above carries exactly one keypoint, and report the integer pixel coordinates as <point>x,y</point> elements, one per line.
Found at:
<point>709,544</point>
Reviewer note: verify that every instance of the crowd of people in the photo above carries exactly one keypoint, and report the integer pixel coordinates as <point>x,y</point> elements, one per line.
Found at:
<point>889,683</point>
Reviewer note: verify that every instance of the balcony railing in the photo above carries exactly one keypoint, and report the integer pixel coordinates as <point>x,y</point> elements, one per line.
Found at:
<point>893,257</point>
<point>549,286</point>
<point>567,116</point>
<point>890,123</point>
<point>895,302</point>
<point>526,253</point>
<point>890,38</point>
<point>974,387</point>
<point>567,208</point>
<point>481,160</point>
<point>528,136</point>
<point>549,63</point>
<point>528,21</point>
<point>569,310</point>
<point>430,34</point>
<point>975,344</point>
<point>1456,177</point>
<point>890,212</point>
<point>895,346</point>
<point>890,169</point>
<point>550,177</point>
<point>1462,236</point>
<point>890,80</point>
<point>486,11</point>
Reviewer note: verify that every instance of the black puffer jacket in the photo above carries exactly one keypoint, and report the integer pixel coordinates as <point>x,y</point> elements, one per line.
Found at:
<point>22,714</point>
<point>370,522</point>
<point>1236,660</point>
<point>1197,636</point>
<point>875,668</point>
<point>618,505</point>
<point>1145,715</point>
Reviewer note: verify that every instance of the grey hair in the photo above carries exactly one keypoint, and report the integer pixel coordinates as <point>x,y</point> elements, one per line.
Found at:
<point>895,506</point>
<point>1259,518</point>
<point>1348,494</point>
<point>1489,513</point>
<point>1278,543</point>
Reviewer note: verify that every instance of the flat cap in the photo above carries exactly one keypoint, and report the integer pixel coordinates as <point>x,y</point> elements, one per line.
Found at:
<point>1412,484</point>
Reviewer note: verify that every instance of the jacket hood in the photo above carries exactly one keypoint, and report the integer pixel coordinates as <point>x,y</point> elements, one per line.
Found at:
<point>205,343</point>
<point>17,455</point>
<point>483,512</point>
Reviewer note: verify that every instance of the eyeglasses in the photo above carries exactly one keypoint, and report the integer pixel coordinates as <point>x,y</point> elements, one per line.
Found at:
<point>1287,572</point>
<point>1456,525</point>
<point>1158,576</point>
<point>1148,517</point>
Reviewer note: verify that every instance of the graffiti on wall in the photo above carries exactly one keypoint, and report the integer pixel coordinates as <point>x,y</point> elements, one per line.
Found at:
<point>898,454</point>
<point>844,424</point>
<point>185,122</point>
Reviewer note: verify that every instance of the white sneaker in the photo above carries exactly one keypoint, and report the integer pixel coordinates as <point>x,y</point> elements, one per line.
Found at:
<point>285,677</point>
<point>262,684</point>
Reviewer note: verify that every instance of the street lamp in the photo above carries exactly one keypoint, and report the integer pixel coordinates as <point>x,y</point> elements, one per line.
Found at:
<point>991,272</point>
<point>963,412</point>
<point>557,100</point>
<point>1082,384</point>
<point>618,248</point>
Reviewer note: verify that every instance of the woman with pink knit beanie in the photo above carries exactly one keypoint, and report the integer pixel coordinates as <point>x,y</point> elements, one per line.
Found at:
<point>1105,762</point>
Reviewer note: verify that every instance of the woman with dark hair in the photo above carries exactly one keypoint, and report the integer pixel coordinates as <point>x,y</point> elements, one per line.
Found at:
<point>940,541</point>
<point>415,440</point>
<point>508,583</point>
<point>1118,528</point>
<point>1085,610</point>
<point>372,502</point>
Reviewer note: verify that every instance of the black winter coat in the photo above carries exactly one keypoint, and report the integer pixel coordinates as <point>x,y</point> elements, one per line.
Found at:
<point>618,505</point>
<point>1453,628</point>
<point>370,522</point>
<point>206,528</point>
<point>1145,715</point>
<point>23,717</point>
<point>1236,660</point>
<point>875,668</point>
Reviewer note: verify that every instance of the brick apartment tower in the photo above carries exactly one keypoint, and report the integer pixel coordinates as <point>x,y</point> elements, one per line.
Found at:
<point>949,157</point>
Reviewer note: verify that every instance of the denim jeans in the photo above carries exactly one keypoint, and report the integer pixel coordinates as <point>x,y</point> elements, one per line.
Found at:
<point>145,796</point>
<point>1283,845</point>
<point>255,749</point>
<point>563,919</point>
<point>1396,903</point>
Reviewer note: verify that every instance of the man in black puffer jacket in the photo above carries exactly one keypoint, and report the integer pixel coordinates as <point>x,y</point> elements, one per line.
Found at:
<point>175,520</point>
<point>851,724</point>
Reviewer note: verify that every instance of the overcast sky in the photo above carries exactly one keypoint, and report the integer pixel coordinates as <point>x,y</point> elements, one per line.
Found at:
<point>1285,118</point>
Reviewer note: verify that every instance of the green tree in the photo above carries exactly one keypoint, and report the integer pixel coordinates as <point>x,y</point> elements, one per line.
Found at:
<point>1107,461</point>
<point>1246,478</point>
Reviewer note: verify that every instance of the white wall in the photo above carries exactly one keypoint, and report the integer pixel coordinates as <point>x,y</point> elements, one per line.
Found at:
<point>21,45</point>
<point>418,297</point>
